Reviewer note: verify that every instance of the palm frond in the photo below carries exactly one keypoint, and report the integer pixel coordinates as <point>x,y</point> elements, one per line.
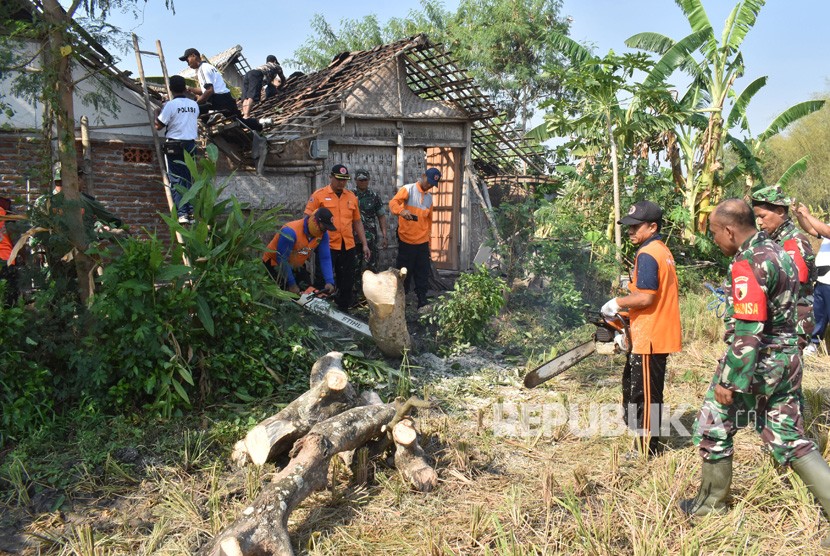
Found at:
<point>699,22</point>
<point>748,161</point>
<point>739,108</point>
<point>674,58</point>
<point>573,51</point>
<point>789,116</point>
<point>747,16</point>
<point>650,42</point>
<point>796,169</point>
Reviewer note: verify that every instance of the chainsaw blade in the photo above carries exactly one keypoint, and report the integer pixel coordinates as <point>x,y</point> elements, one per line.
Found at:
<point>559,364</point>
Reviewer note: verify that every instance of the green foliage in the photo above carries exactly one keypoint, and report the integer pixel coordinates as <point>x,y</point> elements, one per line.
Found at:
<point>26,397</point>
<point>160,328</point>
<point>461,316</point>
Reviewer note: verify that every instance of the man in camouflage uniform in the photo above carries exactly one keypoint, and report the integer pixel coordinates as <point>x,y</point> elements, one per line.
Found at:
<point>373,214</point>
<point>771,208</point>
<point>760,373</point>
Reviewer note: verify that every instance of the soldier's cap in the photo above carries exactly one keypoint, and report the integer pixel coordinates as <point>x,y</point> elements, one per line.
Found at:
<point>773,195</point>
<point>361,174</point>
<point>642,211</point>
<point>340,172</point>
<point>323,216</point>
<point>188,52</point>
<point>433,176</point>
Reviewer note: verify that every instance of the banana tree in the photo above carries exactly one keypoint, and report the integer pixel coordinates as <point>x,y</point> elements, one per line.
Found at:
<point>592,116</point>
<point>715,73</point>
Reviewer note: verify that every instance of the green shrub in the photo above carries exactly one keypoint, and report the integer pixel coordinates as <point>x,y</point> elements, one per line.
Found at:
<point>26,392</point>
<point>461,316</point>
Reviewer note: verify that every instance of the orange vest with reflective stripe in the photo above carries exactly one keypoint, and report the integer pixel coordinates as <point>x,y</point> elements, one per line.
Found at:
<point>302,250</point>
<point>656,328</point>
<point>412,198</point>
<point>344,209</point>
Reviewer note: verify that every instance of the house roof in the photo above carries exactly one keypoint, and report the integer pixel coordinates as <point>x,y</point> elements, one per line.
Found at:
<point>220,61</point>
<point>308,102</point>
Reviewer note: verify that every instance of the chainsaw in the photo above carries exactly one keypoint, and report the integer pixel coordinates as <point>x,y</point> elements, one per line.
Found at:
<point>314,300</point>
<point>611,336</point>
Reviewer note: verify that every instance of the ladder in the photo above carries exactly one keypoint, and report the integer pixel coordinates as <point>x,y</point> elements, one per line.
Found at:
<point>152,117</point>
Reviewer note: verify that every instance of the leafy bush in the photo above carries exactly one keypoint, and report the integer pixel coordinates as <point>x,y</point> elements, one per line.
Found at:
<point>462,315</point>
<point>164,334</point>
<point>26,393</point>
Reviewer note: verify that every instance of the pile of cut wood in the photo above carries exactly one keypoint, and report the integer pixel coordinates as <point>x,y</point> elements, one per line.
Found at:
<point>327,420</point>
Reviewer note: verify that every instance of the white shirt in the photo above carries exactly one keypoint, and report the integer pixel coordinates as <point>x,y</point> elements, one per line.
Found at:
<point>209,75</point>
<point>823,260</point>
<point>180,118</point>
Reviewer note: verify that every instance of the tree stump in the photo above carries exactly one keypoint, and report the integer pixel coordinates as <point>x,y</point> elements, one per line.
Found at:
<point>385,296</point>
<point>410,459</point>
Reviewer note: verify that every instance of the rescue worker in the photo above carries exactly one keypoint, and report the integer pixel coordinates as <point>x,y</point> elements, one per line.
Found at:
<point>654,313</point>
<point>821,289</point>
<point>413,205</point>
<point>293,244</point>
<point>179,118</point>
<point>373,215</point>
<point>760,373</point>
<point>772,212</point>
<point>343,205</point>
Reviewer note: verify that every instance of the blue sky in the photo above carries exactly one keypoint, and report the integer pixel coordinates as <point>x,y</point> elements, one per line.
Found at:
<point>787,43</point>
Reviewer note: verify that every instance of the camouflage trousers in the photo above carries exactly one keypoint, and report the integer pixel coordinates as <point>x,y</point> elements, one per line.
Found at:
<point>772,408</point>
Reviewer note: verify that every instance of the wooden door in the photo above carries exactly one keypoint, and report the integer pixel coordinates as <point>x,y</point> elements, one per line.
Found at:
<point>446,203</point>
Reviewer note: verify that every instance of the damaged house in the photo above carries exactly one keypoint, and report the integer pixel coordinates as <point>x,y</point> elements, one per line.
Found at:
<point>394,110</point>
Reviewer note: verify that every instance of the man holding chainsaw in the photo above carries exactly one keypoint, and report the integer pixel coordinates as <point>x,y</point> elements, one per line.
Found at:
<point>654,312</point>
<point>757,381</point>
<point>293,244</point>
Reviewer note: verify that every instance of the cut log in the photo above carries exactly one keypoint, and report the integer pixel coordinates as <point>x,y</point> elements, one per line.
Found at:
<point>275,436</point>
<point>262,529</point>
<point>410,459</point>
<point>385,296</point>
<point>331,360</point>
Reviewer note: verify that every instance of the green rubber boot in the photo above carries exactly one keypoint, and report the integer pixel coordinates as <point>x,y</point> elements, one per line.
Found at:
<point>815,473</point>
<point>716,476</point>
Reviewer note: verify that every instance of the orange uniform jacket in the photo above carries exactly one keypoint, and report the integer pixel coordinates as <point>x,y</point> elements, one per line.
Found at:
<point>344,209</point>
<point>656,329</point>
<point>419,202</point>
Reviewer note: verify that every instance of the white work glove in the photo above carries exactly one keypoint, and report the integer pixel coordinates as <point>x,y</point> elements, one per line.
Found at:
<point>611,308</point>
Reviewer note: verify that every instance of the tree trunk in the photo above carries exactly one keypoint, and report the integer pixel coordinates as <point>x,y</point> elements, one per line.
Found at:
<point>385,296</point>
<point>274,436</point>
<point>615,176</point>
<point>60,98</point>
<point>263,527</point>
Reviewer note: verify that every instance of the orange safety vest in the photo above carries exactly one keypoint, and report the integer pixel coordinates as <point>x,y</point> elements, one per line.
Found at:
<point>303,246</point>
<point>419,202</point>
<point>344,209</point>
<point>656,328</point>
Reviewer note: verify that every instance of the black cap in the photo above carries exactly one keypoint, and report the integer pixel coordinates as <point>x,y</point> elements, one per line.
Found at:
<point>323,217</point>
<point>340,172</point>
<point>271,58</point>
<point>642,211</point>
<point>188,52</point>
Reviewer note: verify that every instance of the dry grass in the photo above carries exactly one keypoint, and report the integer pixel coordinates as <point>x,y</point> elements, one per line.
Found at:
<point>539,494</point>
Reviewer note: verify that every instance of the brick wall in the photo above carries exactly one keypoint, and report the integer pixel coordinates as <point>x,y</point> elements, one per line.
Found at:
<point>125,178</point>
